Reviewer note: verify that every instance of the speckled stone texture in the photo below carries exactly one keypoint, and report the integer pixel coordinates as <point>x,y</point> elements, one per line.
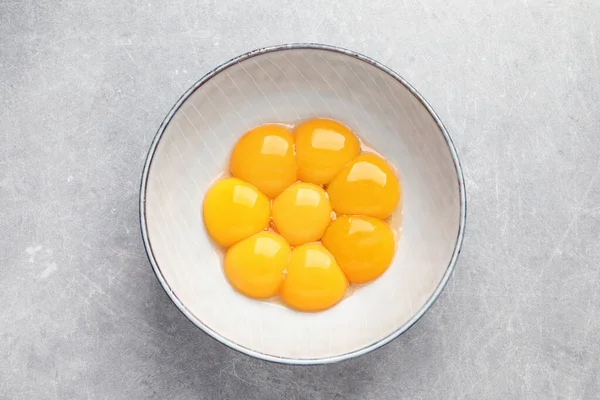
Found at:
<point>83,88</point>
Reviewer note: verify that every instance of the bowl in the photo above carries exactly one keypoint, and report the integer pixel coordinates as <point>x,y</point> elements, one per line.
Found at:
<point>289,83</point>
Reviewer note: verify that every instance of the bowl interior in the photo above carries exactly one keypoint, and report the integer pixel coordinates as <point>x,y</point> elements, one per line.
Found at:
<point>287,86</point>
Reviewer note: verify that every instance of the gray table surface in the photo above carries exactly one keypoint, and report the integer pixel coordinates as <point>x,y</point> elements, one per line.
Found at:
<point>83,88</point>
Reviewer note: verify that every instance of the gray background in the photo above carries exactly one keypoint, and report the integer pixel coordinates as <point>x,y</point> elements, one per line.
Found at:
<point>83,88</point>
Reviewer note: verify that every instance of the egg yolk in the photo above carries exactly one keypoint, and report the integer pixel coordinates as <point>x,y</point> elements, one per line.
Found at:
<point>265,158</point>
<point>314,280</point>
<point>366,186</point>
<point>255,265</point>
<point>301,213</point>
<point>323,148</point>
<point>362,246</point>
<point>234,210</point>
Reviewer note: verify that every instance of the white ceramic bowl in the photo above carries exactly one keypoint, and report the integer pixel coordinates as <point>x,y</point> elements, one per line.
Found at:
<point>285,84</point>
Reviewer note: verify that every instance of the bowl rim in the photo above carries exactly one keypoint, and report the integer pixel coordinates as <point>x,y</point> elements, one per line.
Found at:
<point>285,360</point>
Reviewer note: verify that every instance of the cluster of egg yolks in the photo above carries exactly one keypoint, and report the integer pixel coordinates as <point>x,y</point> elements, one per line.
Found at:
<point>314,281</point>
<point>233,210</point>
<point>265,158</point>
<point>323,148</point>
<point>267,163</point>
<point>362,246</point>
<point>255,266</point>
<point>301,213</point>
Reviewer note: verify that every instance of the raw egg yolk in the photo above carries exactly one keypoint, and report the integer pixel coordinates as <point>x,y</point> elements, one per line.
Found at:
<point>234,210</point>
<point>362,246</point>
<point>314,280</point>
<point>366,186</point>
<point>302,213</point>
<point>323,148</point>
<point>265,158</point>
<point>255,265</point>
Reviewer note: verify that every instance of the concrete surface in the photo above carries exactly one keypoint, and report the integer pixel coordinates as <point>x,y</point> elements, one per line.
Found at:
<point>83,88</point>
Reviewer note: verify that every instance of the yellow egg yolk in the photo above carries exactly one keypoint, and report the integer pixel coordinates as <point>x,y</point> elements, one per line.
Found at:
<point>323,148</point>
<point>366,186</point>
<point>314,281</point>
<point>234,210</point>
<point>362,246</point>
<point>301,213</point>
<point>255,265</point>
<point>265,158</point>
